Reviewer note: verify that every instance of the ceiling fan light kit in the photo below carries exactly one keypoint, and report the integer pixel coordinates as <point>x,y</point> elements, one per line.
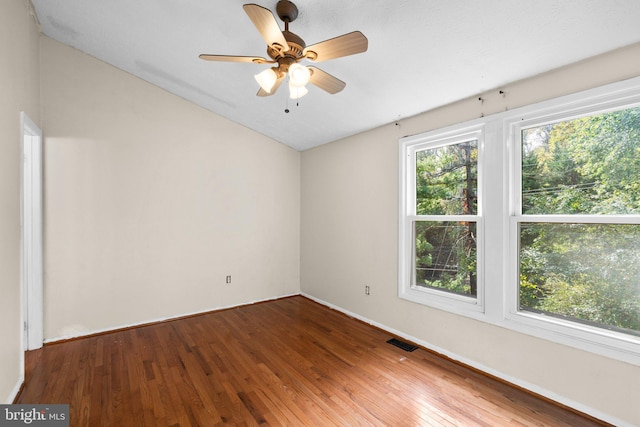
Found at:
<point>267,79</point>
<point>297,92</point>
<point>299,75</point>
<point>286,50</point>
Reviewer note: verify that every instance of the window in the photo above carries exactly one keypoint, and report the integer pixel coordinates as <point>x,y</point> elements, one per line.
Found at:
<point>578,220</point>
<point>441,219</point>
<point>530,220</point>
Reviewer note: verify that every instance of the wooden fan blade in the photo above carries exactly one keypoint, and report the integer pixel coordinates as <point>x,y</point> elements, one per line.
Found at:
<point>229,58</point>
<point>267,25</point>
<point>275,87</point>
<point>326,81</point>
<point>344,45</point>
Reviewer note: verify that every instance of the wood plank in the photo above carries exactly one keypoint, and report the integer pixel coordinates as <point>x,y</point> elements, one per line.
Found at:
<point>284,362</point>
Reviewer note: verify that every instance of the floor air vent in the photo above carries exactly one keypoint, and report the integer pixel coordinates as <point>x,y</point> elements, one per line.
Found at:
<point>401,344</point>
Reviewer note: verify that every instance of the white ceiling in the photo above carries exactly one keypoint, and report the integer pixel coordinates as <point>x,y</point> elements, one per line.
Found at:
<point>422,53</point>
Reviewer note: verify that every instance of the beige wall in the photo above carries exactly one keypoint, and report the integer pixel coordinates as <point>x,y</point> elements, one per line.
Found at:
<point>349,240</point>
<point>151,201</point>
<point>19,91</point>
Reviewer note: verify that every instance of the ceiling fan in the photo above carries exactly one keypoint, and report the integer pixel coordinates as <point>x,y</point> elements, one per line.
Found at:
<point>287,49</point>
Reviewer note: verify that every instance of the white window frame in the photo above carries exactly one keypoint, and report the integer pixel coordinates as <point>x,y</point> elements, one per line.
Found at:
<point>409,147</point>
<point>499,190</point>
<point>602,341</point>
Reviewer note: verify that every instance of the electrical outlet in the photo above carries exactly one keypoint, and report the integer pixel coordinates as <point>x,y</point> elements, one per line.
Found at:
<point>367,290</point>
<point>228,280</point>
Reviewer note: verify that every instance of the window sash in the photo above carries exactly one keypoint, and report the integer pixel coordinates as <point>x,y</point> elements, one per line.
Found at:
<point>414,267</point>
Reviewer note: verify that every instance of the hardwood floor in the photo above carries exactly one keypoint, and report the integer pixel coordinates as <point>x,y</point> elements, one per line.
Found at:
<point>287,362</point>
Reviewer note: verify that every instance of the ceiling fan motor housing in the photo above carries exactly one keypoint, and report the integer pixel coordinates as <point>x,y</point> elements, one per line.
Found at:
<point>294,54</point>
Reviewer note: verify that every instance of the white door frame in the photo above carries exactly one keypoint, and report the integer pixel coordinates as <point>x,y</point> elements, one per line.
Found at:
<point>31,242</point>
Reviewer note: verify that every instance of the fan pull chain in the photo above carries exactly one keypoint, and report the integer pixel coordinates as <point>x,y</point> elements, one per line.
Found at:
<point>286,107</point>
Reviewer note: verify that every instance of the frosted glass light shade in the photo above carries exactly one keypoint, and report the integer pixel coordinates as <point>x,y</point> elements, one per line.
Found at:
<point>266,79</point>
<point>299,75</point>
<point>296,92</point>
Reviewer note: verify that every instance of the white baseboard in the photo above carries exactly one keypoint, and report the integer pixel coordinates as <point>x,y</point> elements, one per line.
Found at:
<point>15,391</point>
<point>159,320</point>
<point>512,380</point>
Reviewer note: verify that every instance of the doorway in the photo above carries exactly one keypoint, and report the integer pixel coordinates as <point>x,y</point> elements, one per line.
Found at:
<point>31,235</point>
